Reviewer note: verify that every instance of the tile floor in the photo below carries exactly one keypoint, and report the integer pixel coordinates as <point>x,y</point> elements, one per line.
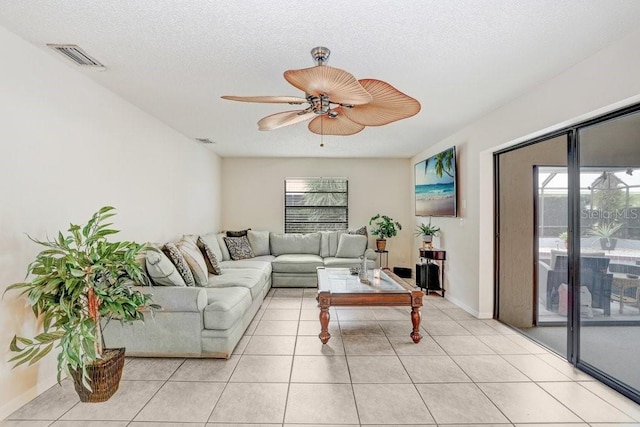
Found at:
<point>465,371</point>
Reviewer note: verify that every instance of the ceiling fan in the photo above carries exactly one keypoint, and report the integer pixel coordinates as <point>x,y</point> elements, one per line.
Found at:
<point>337,102</point>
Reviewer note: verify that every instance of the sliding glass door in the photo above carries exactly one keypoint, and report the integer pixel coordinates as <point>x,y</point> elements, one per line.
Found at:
<point>609,229</point>
<point>568,245</point>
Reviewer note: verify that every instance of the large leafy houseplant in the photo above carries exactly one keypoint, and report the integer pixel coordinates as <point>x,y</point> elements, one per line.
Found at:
<point>384,227</point>
<point>77,280</point>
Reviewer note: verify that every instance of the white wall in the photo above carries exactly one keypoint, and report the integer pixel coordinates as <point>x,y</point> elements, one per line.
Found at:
<point>68,147</point>
<point>253,194</point>
<point>606,81</point>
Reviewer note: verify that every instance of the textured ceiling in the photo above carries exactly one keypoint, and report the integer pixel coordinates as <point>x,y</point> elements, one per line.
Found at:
<point>461,59</point>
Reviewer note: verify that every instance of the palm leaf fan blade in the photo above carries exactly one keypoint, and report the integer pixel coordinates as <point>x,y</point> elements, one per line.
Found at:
<point>340,125</point>
<point>388,105</point>
<point>285,118</point>
<point>267,99</point>
<point>341,86</point>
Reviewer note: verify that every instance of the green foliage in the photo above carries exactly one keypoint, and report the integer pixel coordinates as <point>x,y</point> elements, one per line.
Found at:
<point>427,230</point>
<point>564,236</point>
<point>383,226</point>
<point>606,230</point>
<point>73,271</point>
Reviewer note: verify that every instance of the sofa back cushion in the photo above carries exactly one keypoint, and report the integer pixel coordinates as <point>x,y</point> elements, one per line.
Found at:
<point>329,243</point>
<point>259,241</point>
<point>211,239</point>
<point>351,246</point>
<point>194,258</point>
<point>294,243</point>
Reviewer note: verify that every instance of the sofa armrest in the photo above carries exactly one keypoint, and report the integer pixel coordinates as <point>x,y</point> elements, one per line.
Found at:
<point>370,254</point>
<point>174,298</point>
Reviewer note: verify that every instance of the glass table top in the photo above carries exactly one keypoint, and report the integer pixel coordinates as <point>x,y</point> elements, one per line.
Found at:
<point>340,280</point>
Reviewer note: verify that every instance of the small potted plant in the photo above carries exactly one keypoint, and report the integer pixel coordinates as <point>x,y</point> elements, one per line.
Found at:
<point>383,227</point>
<point>605,232</point>
<point>78,280</point>
<point>564,236</point>
<point>427,231</point>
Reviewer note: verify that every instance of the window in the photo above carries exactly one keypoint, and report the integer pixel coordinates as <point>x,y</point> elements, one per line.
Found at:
<point>315,204</point>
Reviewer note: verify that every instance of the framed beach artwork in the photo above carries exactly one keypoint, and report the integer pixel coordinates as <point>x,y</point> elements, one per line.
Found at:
<point>436,187</point>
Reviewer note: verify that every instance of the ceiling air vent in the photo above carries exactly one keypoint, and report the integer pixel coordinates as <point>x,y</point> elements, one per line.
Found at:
<point>77,55</point>
<point>205,140</point>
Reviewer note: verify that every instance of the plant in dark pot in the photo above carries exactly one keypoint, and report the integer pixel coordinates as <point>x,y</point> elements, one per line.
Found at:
<point>383,227</point>
<point>77,281</point>
<point>605,232</point>
<point>427,231</point>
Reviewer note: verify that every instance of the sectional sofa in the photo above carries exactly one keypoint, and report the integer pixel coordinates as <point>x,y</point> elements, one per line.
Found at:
<point>211,292</point>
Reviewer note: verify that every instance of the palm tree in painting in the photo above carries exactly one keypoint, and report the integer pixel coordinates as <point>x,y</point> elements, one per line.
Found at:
<point>444,163</point>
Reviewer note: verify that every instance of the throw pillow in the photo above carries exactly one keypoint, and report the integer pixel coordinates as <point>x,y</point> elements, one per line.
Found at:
<point>237,233</point>
<point>351,246</point>
<point>259,241</point>
<point>173,253</point>
<point>209,257</point>
<point>161,270</point>
<point>195,260</point>
<point>239,247</point>
<point>362,231</point>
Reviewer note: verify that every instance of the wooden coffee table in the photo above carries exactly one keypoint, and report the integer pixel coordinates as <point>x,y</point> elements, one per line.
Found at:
<point>338,287</point>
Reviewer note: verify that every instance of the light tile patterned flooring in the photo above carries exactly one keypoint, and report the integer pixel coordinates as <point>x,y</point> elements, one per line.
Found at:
<point>465,371</point>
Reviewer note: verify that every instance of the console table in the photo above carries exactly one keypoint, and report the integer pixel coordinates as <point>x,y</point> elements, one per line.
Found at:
<point>437,257</point>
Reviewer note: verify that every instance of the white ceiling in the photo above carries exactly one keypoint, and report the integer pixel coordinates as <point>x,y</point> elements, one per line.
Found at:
<point>460,58</point>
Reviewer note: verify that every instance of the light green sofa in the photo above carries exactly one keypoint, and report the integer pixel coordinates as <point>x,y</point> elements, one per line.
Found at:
<point>209,321</point>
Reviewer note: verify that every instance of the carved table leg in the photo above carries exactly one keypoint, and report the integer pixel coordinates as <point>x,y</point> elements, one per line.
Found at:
<point>324,301</point>
<point>416,303</point>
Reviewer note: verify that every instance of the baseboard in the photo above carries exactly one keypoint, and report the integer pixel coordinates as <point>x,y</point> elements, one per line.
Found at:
<point>471,311</point>
<point>24,398</point>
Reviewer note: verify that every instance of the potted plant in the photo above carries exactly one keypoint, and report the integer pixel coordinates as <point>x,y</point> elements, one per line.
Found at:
<point>427,231</point>
<point>605,232</point>
<point>564,236</point>
<point>77,280</point>
<point>383,227</point>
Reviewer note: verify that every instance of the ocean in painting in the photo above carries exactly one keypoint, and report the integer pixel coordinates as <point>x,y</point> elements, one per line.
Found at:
<point>435,191</point>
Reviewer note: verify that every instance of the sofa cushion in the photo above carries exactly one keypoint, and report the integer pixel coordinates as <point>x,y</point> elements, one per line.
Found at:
<point>259,241</point>
<point>223,246</point>
<point>225,307</point>
<point>194,258</point>
<point>173,253</point>
<point>296,263</point>
<point>239,247</point>
<point>211,239</point>
<point>361,231</point>
<point>351,246</point>
<point>161,270</point>
<point>294,243</point>
<point>253,279</point>
<point>210,258</point>
<point>333,262</point>
<point>328,243</point>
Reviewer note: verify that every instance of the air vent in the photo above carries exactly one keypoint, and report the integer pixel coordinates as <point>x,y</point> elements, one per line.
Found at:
<point>205,140</point>
<point>77,55</point>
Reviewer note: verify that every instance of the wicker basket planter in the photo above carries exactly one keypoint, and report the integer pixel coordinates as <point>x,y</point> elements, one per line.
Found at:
<point>104,377</point>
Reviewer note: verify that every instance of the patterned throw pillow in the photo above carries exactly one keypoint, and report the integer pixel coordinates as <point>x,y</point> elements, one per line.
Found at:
<point>172,251</point>
<point>237,233</point>
<point>239,247</point>
<point>212,262</point>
